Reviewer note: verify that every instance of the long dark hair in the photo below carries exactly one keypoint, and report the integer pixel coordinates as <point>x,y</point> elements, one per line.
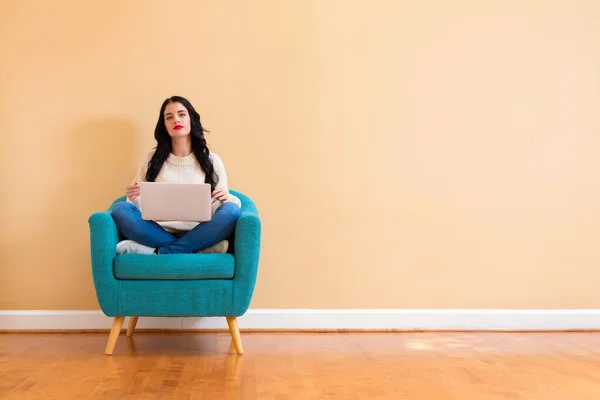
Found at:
<point>163,143</point>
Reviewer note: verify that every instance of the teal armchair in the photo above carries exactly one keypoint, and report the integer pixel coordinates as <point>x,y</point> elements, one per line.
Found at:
<point>175,285</point>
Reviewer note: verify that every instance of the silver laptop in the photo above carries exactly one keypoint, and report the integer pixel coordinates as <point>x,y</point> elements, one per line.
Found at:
<point>166,201</point>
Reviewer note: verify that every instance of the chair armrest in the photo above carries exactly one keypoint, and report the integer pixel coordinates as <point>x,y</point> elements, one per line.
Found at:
<point>104,237</point>
<point>247,243</point>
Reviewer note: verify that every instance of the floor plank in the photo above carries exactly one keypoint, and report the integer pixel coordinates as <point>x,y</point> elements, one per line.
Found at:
<point>302,366</point>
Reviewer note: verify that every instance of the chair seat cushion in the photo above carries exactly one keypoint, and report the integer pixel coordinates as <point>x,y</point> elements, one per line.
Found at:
<point>174,266</point>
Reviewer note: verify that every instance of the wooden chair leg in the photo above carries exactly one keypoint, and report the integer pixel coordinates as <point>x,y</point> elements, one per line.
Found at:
<point>114,334</point>
<point>235,334</point>
<point>131,327</point>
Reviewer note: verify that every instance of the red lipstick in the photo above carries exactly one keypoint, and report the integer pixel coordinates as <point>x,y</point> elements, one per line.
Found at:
<point>178,127</point>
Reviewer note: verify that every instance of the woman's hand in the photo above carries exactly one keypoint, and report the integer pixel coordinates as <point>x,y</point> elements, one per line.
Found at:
<point>221,195</point>
<point>133,191</point>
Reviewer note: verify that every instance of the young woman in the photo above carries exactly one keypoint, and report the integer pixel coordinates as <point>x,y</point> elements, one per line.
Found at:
<point>181,155</point>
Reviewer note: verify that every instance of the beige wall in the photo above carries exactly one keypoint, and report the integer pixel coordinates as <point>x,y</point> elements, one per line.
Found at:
<point>433,154</point>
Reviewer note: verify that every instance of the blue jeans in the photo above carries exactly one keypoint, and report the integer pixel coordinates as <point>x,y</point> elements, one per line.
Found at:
<point>131,225</point>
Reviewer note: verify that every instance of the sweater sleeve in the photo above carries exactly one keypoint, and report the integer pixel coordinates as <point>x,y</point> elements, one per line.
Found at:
<point>140,176</point>
<point>220,172</point>
<point>222,183</point>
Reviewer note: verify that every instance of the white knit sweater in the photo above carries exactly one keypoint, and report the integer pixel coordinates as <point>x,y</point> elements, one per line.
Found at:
<point>184,170</point>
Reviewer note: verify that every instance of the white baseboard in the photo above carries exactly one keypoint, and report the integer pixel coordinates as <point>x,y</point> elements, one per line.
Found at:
<point>299,319</point>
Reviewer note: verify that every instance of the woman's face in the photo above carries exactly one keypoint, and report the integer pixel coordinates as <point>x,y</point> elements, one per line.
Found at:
<point>177,120</point>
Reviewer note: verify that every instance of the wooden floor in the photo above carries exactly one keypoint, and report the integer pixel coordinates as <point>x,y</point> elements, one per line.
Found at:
<point>465,366</point>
